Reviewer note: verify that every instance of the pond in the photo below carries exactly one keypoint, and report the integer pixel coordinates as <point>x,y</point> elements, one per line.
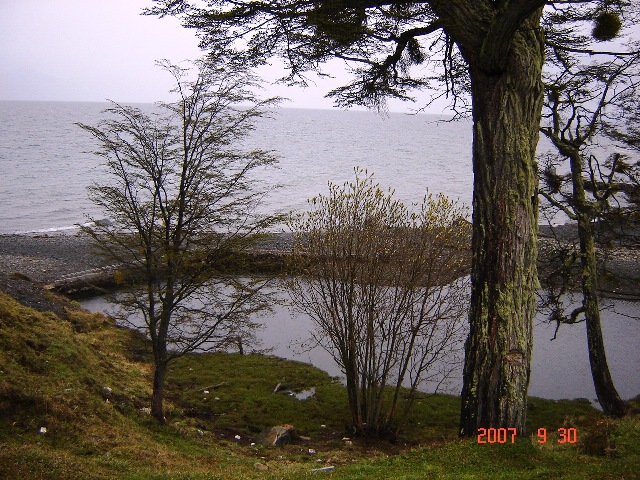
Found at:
<point>560,367</point>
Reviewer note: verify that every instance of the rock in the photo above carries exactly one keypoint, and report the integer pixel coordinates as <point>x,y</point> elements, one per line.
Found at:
<point>323,469</point>
<point>260,466</point>
<point>278,435</point>
<point>43,430</point>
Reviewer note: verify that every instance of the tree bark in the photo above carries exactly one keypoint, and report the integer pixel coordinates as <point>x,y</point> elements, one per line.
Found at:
<point>606,392</point>
<point>161,361</point>
<point>157,398</point>
<point>506,116</point>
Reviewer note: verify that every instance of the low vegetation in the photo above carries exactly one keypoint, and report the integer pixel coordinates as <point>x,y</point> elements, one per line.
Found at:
<point>74,392</point>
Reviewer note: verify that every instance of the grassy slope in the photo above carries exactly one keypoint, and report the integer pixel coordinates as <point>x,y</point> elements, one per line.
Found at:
<point>53,374</point>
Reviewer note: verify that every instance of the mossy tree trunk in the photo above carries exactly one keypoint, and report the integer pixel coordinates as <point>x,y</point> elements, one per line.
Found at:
<point>507,105</point>
<point>606,392</point>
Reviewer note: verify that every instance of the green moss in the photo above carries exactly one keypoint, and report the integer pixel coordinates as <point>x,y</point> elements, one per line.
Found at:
<point>52,375</point>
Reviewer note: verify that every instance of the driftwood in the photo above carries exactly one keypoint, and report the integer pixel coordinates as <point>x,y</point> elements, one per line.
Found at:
<point>213,387</point>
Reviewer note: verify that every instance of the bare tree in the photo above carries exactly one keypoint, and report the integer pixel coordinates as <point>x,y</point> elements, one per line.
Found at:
<point>181,198</point>
<point>580,103</point>
<point>387,290</point>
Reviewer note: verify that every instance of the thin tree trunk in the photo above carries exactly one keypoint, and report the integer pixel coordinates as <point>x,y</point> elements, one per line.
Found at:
<point>157,399</point>
<point>606,392</point>
<point>161,360</point>
<point>506,115</point>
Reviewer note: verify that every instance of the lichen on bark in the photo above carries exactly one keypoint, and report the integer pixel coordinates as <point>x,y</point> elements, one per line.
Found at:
<point>506,114</point>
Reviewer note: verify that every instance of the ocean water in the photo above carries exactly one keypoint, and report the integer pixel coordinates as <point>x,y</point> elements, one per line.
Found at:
<point>45,164</point>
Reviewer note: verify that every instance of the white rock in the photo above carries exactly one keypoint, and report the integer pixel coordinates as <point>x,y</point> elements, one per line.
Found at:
<point>323,469</point>
<point>237,437</point>
<point>43,430</point>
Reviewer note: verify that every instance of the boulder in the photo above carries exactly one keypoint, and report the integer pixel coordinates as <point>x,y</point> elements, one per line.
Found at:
<point>278,435</point>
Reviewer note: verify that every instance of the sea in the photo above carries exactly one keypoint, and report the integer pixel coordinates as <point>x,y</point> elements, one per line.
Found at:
<point>46,165</point>
<point>46,162</point>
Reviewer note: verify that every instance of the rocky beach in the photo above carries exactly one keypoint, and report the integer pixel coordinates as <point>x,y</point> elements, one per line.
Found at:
<point>52,260</point>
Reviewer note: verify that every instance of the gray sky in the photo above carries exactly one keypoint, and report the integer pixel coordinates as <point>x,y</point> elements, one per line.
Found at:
<point>92,50</point>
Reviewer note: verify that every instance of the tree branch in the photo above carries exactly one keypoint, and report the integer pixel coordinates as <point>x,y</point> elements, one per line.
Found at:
<point>494,52</point>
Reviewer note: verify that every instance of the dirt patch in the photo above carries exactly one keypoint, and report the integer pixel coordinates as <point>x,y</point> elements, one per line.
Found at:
<point>32,295</point>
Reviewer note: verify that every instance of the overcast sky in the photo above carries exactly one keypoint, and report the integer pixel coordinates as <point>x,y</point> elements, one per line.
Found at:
<point>92,50</point>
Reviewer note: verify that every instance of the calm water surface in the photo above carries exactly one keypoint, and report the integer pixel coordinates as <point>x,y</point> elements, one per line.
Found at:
<point>46,166</point>
<point>560,367</point>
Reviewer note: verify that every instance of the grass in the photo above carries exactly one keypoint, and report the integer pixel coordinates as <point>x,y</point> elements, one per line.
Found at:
<point>88,382</point>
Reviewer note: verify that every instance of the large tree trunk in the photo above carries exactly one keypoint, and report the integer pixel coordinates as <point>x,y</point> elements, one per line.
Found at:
<point>606,392</point>
<point>506,118</point>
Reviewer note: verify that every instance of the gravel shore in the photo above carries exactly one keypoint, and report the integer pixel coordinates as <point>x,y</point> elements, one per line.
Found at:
<point>48,258</point>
